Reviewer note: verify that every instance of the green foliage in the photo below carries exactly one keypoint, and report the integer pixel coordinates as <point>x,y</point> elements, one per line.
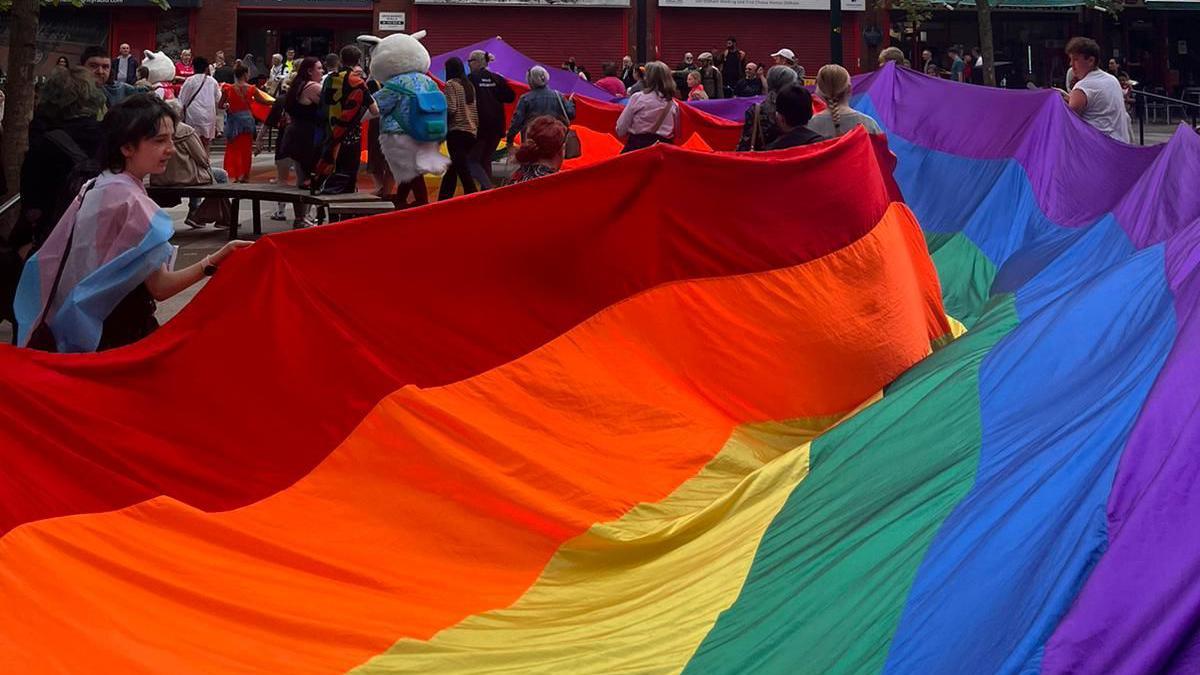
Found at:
<point>916,12</point>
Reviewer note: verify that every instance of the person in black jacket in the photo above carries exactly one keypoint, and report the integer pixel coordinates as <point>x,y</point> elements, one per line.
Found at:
<point>124,66</point>
<point>64,132</point>
<point>492,91</point>
<point>793,110</point>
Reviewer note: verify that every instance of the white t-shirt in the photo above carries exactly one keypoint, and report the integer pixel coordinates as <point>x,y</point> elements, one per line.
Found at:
<point>1105,108</point>
<point>198,96</point>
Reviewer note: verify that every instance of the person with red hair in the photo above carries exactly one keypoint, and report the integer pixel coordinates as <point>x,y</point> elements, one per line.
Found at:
<point>541,150</point>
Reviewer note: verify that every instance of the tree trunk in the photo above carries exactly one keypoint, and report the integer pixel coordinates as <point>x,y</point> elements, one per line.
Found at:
<point>18,107</point>
<point>985,42</point>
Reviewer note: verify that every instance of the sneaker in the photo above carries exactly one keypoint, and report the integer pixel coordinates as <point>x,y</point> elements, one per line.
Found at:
<point>193,224</point>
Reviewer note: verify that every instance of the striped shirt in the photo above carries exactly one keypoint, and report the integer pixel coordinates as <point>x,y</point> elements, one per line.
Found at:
<point>462,116</point>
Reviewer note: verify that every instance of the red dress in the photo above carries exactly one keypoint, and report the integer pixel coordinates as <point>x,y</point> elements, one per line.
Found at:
<point>239,140</point>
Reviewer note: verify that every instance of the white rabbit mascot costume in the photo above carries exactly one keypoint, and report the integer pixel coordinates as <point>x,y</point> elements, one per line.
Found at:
<point>162,72</point>
<point>412,110</point>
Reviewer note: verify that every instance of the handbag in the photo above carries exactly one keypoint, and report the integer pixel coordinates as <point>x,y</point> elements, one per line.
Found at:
<point>571,146</point>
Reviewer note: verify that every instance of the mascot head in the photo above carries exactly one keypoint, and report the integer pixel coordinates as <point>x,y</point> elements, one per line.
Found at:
<point>161,67</point>
<point>397,54</point>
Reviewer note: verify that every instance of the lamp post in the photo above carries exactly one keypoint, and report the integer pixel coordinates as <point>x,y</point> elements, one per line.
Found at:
<point>835,31</point>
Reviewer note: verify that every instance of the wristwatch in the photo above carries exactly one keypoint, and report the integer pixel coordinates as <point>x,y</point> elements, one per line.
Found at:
<point>210,268</point>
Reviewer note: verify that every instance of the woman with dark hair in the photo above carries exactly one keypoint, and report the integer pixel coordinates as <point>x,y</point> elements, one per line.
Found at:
<point>62,62</point>
<point>239,123</point>
<point>301,142</point>
<point>463,117</point>
<point>541,151</point>
<point>94,283</point>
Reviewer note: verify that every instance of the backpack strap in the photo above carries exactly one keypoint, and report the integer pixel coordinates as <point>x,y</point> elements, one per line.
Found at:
<point>662,117</point>
<point>183,113</point>
<point>62,263</point>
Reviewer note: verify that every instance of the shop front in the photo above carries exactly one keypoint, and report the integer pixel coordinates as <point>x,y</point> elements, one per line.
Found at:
<point>266,27</point>
<point>65,31</point>
<point>761,27</point>
<point>591,31</point>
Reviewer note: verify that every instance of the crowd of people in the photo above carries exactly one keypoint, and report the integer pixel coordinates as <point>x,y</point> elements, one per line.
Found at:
<point>103,128</point>
<point>725,74</point>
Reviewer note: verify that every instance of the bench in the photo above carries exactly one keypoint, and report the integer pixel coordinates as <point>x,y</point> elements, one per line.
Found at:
<point>256,193</point>
<point>344,210</point>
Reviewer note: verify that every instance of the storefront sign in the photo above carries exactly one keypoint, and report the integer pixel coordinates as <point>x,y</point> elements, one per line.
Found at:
<point>850,5</point>
<point>542,3</point>
<point>391,22</point>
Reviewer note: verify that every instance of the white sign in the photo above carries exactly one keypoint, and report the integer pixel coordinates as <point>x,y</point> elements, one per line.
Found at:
<point>391,21</point>
<point>544,3</point>
<point>848,5</point>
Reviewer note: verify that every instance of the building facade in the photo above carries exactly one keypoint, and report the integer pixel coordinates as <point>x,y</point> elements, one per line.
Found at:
<point>1157,41</point>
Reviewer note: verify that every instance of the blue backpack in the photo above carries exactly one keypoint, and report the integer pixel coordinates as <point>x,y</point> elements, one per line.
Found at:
<point>424,118</point>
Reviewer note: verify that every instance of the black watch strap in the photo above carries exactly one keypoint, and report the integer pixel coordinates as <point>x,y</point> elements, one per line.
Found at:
<point>210,269</point>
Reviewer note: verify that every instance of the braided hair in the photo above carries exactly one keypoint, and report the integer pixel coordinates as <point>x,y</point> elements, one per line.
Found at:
<point>833,85</point>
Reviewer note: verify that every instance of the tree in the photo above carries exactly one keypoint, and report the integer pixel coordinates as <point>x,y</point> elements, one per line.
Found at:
<point>916,13</point>
<point>18,107</point>
<point>984,8</point>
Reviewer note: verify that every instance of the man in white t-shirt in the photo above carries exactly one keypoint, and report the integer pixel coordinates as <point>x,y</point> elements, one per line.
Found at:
<point>1095,95</point>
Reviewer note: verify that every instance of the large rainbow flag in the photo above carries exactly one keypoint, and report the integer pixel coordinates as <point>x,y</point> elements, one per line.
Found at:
<point>675,411</point>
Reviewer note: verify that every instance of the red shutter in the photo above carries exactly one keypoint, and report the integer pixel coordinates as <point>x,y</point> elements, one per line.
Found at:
<point>549,35</point>
<point>760,32</point>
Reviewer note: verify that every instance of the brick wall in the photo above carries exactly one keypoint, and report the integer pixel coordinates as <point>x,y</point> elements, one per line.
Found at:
<point>215,27</point>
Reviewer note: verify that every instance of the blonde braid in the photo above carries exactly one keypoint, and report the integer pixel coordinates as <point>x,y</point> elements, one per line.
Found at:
<point>836,115</point>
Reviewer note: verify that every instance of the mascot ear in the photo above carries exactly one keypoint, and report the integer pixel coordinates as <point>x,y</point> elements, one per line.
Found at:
<point>149,54</point>
<point>369,39</point>
<point>418,35</point>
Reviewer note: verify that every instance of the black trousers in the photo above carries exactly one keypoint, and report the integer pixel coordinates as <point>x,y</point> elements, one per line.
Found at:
<point>485,146</point>
<point>459,144</point>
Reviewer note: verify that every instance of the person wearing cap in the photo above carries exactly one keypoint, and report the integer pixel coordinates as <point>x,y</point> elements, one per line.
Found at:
<point>732,62</point>
<point>787,57</point>
<point>710,77</point>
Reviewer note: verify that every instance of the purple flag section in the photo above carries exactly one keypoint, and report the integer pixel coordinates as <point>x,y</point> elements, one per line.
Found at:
<point>514,65</point>
<point>1060,153</point>
<point>728,108</point>
<point>1139,612</point>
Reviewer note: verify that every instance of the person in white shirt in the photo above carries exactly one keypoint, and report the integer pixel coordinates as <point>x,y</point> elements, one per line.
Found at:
<point>198,97</point>
<point>124,66</point>
<point>1095,95</point>
<point>279,71</point>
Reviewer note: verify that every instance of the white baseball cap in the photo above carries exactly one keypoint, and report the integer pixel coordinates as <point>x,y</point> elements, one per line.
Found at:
<point>786,53</point>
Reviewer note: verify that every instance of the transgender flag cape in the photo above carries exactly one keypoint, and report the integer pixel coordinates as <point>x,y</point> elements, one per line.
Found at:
<point>120,237</point>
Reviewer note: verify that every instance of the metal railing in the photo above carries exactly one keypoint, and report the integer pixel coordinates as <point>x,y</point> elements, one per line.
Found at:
<point>1141,106</point>
<point>8,205</point>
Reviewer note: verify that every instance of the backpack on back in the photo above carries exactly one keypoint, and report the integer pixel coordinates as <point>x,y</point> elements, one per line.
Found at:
<point>426,113</point>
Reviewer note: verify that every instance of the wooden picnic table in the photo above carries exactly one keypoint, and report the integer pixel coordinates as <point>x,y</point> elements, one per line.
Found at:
<point>256,193</point>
